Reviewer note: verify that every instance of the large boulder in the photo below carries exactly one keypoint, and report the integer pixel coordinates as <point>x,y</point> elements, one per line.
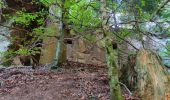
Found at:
<point>153,78</point>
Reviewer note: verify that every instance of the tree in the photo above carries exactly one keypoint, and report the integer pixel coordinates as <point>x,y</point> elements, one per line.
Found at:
<point>110,54</point>
<point>27,31</point>
<point>85,22</point>
<point>117,20</point>
<point>60,45</point>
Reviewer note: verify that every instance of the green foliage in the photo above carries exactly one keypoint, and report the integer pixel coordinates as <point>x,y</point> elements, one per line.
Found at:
<point>40,31</point>
<point>150,5</point>
<point>23,51</point>
<point>166,13</point>
<point>7,57</point>
<point>34,24</point>
<point>24,18</point>
<point>90,37</point>
<point>124,33</point>
<point>2,4</point>
<point>166,52</point>
<point>84,16</point>
<point>47,2</point>
<point>26,51</point>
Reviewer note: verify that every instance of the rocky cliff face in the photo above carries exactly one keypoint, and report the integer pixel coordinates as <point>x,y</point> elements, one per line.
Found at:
<point>4,35</point>
<point>82,51</point>
<point>18,37</point>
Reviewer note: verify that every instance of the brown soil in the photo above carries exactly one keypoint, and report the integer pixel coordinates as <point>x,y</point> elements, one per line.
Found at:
<point>71,82</point>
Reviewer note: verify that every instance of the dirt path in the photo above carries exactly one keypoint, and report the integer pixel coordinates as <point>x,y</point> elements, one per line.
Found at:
<point>68,83</point>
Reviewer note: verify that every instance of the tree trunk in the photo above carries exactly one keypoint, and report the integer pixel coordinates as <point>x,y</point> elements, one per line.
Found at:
<point>115,89</point>
<point>113,72</point>
<point>153,81</point>
<point>60,56</point>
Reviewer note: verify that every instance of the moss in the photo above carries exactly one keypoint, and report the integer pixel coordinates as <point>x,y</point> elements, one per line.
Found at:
<point>151,76</point>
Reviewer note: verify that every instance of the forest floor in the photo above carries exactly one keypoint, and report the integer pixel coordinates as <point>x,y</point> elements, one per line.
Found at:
<point>73,81</point>
<point>86,82</point>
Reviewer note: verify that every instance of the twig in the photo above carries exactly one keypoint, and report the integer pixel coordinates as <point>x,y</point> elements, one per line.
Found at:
<point>130,93</point>
<point>126,41</point>
<point>149,33</point>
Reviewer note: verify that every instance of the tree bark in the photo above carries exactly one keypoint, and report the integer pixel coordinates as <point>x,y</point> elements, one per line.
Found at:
<point>115,89</point>
<point>113,72</point>
<point>60,56</point>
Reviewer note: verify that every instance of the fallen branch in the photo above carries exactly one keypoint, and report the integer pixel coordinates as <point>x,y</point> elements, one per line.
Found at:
<point>130,93</point>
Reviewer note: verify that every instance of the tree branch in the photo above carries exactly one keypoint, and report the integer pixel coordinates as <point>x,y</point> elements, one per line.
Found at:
<point>126,41</point>
<point>159,9</point>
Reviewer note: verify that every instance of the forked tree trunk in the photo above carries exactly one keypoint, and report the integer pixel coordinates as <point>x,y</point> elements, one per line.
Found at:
<point>153,78</point>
